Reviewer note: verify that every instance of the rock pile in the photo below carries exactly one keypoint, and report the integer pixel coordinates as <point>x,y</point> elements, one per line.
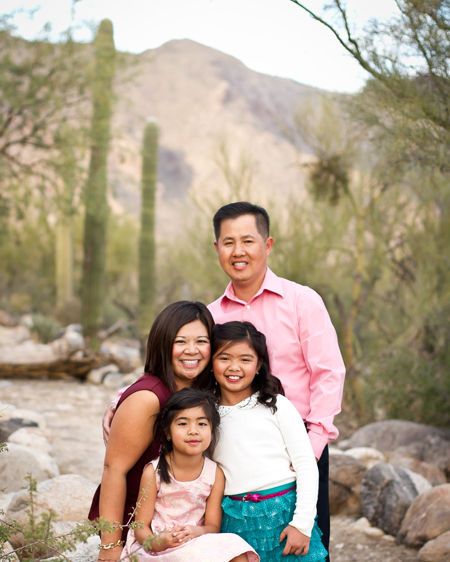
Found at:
<point>395,475</point>
<point>388,482</point>
<point>29,458</point>
<point>65,356</point>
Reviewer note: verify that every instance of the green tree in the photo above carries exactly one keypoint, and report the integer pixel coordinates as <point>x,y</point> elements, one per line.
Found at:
<point>406,57</point>
<point>405,111</point>
<point>41,86</point>
<point>147,257</point>
<point>95,195</point>
<point>42,90</point>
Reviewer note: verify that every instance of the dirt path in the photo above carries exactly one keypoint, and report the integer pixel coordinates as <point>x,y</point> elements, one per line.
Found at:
<point>72,412</point>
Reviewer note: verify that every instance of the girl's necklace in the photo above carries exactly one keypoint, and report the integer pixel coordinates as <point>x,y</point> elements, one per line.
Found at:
<point>247,403</point>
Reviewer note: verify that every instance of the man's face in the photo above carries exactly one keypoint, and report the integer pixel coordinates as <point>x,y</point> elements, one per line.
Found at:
<point>243,251</point>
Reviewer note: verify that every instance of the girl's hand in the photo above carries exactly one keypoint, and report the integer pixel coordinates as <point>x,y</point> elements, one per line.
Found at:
<point>296,542</point>
<point>187,533</point>
<point>162,541</point>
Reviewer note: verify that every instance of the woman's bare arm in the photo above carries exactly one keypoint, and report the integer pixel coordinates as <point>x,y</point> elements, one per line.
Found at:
<point>131,434</point>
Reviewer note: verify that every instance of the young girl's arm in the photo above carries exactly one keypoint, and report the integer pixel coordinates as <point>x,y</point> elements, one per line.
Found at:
<point>213,513</point>
<point>145,506</point>
<point>153,542</point>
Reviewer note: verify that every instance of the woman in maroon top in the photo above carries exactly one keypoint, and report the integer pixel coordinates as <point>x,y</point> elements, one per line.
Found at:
<point>178,356</point>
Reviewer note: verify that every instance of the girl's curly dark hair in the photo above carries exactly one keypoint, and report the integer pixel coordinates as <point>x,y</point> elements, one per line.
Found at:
<point>265,384</point>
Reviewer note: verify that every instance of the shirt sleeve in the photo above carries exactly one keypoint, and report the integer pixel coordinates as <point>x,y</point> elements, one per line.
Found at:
<point>302,459</point>
<point>324,361</point>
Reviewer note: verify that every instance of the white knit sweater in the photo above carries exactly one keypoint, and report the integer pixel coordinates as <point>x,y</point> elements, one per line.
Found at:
<point>259,450</point>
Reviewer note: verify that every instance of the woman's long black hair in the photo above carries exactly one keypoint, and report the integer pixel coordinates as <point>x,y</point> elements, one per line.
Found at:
<point>265,384</point>
<point>181,400</point>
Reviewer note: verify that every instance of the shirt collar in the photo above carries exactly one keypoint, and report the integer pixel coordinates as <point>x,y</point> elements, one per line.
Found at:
<point>271,283</point>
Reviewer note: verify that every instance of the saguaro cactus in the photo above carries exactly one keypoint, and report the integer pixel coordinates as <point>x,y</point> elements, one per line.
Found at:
<point>147,277</point>
<point>95,195</point>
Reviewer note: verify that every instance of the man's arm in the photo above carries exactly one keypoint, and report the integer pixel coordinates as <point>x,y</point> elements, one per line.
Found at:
<point>324,361</point>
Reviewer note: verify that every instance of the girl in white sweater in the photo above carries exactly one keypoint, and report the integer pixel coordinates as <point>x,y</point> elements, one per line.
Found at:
<point>270,470</point>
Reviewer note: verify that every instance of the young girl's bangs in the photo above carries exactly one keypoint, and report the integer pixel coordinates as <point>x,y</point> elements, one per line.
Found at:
<point>223,345</point>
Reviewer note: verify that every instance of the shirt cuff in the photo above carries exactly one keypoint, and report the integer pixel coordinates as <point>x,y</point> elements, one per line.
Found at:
<point>302,525</point>
<point>318,442</point>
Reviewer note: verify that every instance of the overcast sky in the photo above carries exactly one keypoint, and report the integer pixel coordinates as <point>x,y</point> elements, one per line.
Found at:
<point>271,36</point>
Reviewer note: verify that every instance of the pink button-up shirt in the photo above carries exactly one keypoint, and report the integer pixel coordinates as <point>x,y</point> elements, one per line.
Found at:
<point>303,348</point>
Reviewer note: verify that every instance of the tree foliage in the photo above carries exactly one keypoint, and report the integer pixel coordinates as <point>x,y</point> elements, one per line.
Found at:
<point>41,86</point>
<point>42,99</point>
<point>401,337</point>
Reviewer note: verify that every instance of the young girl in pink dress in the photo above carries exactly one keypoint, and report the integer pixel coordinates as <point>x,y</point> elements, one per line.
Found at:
<point>178,515</point>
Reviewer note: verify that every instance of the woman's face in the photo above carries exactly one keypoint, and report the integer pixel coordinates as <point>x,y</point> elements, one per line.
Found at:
<point>190,353</point>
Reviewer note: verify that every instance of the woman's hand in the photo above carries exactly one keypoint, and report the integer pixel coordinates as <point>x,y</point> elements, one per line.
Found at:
<point>296,542</point>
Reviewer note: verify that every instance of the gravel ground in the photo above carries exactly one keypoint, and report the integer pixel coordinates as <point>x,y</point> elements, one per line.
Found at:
<point>72,412</point>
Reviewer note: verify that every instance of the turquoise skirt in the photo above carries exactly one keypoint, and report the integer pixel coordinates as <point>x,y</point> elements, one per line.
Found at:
<point>261,523</point>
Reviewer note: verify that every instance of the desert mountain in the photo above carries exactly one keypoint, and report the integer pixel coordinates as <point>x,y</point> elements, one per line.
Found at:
<point>210,108</point>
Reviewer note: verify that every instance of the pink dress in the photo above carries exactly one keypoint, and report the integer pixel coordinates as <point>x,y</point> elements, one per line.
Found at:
<point>184,503</point>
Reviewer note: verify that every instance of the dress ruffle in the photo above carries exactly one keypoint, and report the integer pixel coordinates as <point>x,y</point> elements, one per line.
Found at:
<point>261,524</point>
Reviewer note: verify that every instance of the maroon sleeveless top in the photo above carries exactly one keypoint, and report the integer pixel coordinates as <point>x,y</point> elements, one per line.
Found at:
<point>155,385</point>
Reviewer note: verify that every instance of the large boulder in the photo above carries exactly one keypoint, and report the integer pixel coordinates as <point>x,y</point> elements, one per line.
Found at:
<point>97,376</point>
<point>436,550</point>
<point>30,352</point>
<point>389,435</point>
<point>11,425</point>
<point>386,494</point>
<point>5,500</point>
<point>68,495</point>
<point>345,478</point>
<point>433,474</point>
<point>423,442</point>
<point>368,456</point>
<point>7,553</point>
<point>433,450</point>
<point>31,438</point>
<point>13,335</point>
<point>46,547</point>
<point>125,353</point>
<point>427,517</point>
<point>18,462</point>
<point>85,551</point>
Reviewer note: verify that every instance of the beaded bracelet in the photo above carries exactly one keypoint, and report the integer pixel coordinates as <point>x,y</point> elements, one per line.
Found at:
<point>110,545</point>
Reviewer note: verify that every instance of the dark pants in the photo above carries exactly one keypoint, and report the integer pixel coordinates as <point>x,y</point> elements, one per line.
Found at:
<point>323,508</point>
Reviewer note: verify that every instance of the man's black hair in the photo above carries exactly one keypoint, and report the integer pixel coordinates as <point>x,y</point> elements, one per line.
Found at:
<point>235,210</point>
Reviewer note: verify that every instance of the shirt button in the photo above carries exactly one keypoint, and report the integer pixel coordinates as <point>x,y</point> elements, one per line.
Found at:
<point>247,306</point>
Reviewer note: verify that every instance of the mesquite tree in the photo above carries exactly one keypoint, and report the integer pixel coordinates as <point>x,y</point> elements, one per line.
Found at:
<point>147,276</point>
<point>95,195</point>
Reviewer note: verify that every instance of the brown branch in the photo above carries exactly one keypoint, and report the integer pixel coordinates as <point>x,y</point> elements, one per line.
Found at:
<point>355,52</point>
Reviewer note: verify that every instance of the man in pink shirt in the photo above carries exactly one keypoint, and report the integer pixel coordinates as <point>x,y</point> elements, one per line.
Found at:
<point>303,347</point>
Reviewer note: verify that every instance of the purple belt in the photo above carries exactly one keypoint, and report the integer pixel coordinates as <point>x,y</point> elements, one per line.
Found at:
<point>255,497</point>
